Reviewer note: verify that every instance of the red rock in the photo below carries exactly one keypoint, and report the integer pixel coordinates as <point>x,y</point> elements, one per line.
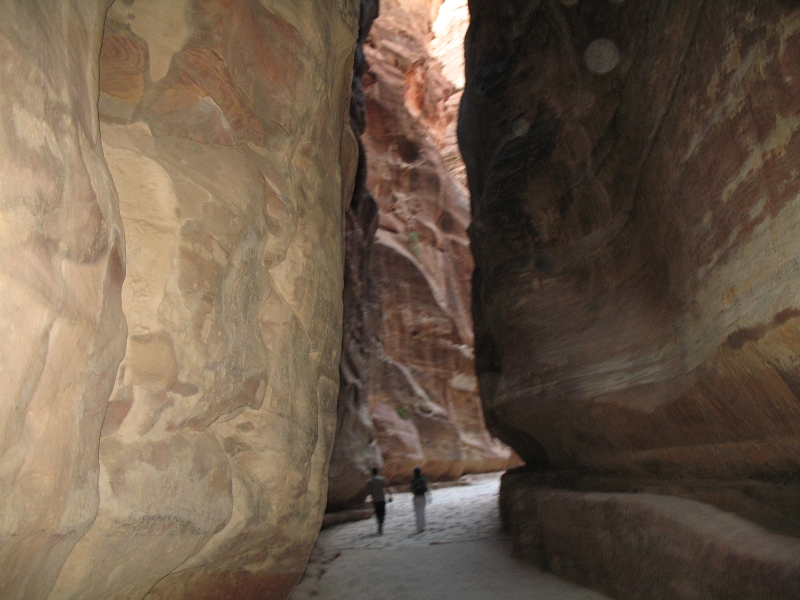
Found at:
<point>633,306</point>
<point>634,176</point>
<point>414,332</point>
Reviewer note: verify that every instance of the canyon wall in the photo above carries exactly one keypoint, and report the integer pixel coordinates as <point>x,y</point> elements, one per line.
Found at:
<point>634,175</point>
<point>202,208</point>
<point>633,228</point>
<point>411,361</point>
<point>62,263</point>
<point>355,450</point>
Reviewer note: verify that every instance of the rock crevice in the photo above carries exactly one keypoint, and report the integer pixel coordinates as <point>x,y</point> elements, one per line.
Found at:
<point>411,394</point>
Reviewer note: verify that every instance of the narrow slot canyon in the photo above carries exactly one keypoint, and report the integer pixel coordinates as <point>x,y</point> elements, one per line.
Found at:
<point>251,250</point>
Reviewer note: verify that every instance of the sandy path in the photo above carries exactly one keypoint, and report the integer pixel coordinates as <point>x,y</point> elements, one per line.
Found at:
<point>462,555</point>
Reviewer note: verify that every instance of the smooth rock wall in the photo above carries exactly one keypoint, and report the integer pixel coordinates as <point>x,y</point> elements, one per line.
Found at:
<point>226,133</point>
<point>355,449</point>
<point>634,169</point>
<point>634,172</point>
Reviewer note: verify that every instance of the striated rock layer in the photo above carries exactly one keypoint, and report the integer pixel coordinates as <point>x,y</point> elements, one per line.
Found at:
<point>355,449</point>
<point>407,315</point>
<point>634,173</point>
<point>227,160</point>
<point>635,292</point>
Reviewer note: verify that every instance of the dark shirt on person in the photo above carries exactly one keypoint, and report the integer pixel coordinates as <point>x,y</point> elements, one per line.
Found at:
<point>376,486</point>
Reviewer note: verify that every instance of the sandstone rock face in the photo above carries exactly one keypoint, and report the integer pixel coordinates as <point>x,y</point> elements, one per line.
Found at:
<point>355,449</point>
<point>424,399</point>
<point>225,131</point>
<point>634,175</point>
<point>422,388</point>
<point>408,341</point>
<point>62,254</point>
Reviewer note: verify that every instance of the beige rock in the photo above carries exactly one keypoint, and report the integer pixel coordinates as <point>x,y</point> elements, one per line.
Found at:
<point>225,131</point>
<point>420,266</point>
<point>62,264</point>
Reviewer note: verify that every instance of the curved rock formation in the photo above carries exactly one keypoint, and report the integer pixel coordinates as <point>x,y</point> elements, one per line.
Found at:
<point>229,162</point>
<point>634,176</point>
<point>635,304</point>
<point>408,334</point>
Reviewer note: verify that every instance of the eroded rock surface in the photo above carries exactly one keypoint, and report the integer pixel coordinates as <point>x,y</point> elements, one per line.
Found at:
<point>62,262</point>
<point>634,175</point>
<point>634,204</point>
<point>224,128</point>
<point>425,404</point>
<point>411,360</point>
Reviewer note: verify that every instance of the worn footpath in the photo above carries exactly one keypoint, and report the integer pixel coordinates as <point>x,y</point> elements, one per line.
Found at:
<point>462,554</point>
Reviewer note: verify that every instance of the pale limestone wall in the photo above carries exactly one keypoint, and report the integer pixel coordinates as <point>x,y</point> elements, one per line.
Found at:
<point>224,127</point>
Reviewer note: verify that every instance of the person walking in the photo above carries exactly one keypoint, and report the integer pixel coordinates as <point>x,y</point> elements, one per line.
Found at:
<point>375,488</point>
<point>419,486</point>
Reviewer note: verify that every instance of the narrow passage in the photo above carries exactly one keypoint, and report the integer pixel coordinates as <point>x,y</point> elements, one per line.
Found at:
<point>462,554</point>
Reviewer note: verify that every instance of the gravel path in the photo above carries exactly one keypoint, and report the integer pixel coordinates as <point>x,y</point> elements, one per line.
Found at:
<point>462,554</point>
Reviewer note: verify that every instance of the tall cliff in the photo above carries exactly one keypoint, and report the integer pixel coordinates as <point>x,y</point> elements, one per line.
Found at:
<point>634,174</point>
<point>414,392</point>
<point>355,449</point>
<point>201,210</point>
<point>634,179</point>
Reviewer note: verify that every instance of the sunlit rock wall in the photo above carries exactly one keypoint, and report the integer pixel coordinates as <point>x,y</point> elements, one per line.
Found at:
<point>409,395</point>
<point>634,170</point>
<point>230,160</point>
<point>423,393</point>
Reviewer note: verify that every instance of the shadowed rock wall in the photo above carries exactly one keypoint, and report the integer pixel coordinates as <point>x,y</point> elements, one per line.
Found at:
<point>634,179</point>
<point>355,450</point>
<point>227,160</point>
<point>634,175</point>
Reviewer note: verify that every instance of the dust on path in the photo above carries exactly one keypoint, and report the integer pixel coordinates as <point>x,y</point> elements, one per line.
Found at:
<point>462,554</point>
